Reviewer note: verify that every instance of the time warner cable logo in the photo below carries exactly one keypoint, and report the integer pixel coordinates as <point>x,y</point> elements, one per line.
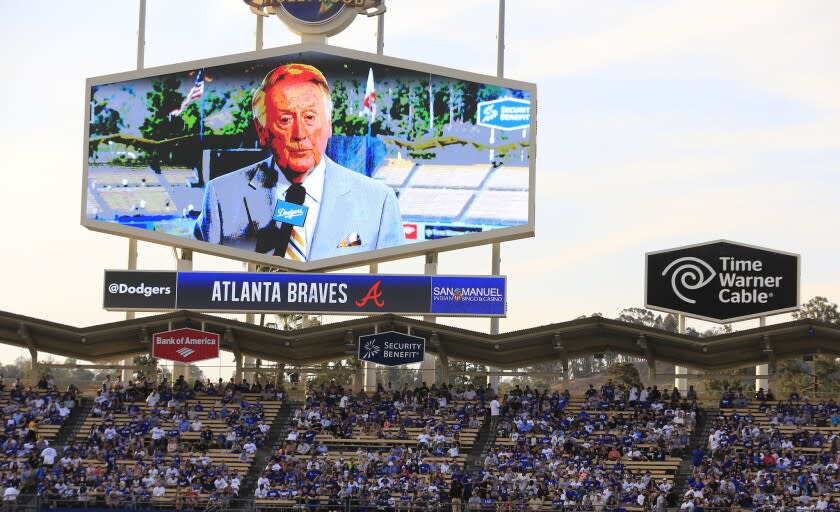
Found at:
<point>739,280</point>
<point>140,289</point>
<point>689,275</point>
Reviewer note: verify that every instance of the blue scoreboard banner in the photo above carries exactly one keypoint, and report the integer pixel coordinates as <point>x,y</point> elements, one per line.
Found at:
<point>276,292</point>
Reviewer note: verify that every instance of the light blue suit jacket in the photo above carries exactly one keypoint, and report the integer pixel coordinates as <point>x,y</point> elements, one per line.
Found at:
<point>239,203</point>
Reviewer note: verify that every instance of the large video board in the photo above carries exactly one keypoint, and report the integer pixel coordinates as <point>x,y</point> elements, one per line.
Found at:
<point>310,157</point>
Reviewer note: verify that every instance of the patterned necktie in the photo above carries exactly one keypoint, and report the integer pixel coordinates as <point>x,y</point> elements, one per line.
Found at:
<point>296,249</point>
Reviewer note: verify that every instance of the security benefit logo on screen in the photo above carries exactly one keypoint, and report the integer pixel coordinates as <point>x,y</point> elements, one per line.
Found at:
<point>722,281</point>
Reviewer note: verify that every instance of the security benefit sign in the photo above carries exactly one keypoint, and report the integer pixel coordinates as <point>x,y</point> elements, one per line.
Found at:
<point>185,345</point>
<point>391,348</point>
<point>722,281</point>
<point>504,114</point>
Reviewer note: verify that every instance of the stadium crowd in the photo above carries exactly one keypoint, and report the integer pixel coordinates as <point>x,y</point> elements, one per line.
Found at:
<point>576,459</point>
<point>547,455</point>
<point>413,452</point>
<point>26,412</point>
<point>764,454</point>
<point>147,444</point>
<point>614,448</point>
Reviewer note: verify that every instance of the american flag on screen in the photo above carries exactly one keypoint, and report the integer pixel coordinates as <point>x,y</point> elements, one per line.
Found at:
<point>194,94</point>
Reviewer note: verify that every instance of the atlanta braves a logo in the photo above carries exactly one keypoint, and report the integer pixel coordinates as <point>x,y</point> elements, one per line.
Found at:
<point>373,294</point>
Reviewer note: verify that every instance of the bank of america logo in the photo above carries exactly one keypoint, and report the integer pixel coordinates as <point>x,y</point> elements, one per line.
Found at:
<point>185,352</point>
<point>371,349</point>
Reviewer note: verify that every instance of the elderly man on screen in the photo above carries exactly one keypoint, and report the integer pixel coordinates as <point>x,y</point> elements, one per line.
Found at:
<point>298,204</point>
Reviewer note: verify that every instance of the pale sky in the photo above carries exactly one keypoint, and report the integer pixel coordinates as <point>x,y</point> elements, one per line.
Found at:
<point>661,124</point>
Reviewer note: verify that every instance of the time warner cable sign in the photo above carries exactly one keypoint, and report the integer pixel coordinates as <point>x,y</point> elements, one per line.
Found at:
<point>722,281</point>
<point>244,292</point>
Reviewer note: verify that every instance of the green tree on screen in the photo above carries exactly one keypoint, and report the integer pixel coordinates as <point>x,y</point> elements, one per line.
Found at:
<point>104,120</point>
<point>348,117</point>
<point>211,103</point>
<point>164,97</point>
<point>344,122</point>
<point>239,105</point>
<point>410,109</point>
<point>159,124</point>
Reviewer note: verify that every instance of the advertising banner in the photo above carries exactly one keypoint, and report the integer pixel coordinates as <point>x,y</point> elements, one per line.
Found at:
<point>394,158</point>
<point>242,292</point>
<point>140,290</point>
<point>722,281</point>
<point>185,345</point>
<point>391,348</point>
<point>505,114</point>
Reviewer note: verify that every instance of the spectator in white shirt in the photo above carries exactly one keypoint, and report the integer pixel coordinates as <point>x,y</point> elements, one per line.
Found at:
<point>159,490</point>
<point>48,456</point>
<point>10,495</point>
<point>153,399</point>
<point>494,413</point>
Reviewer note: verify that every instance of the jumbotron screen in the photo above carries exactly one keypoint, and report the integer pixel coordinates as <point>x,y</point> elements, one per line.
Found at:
<point>310,160</point>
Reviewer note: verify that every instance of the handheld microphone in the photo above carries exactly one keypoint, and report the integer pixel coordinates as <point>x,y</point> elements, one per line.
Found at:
<point>272,237</point>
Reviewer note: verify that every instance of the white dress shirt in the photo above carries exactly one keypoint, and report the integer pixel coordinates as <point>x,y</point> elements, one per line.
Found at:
<point>314,185</point>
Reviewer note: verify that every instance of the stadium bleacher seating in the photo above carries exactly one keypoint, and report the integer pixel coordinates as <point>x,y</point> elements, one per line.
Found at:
<point>102,176</point>
<point>389,449</point>
<point>765,454</point>
<point>509,178</point>
<point>433,203</point>
<point>394,171</point>
<point>173,448</point>
<point>450,176</point>
<point>498,205</point>
<point>180,177</point>
<point>138,200</point>
<point>614,448</point>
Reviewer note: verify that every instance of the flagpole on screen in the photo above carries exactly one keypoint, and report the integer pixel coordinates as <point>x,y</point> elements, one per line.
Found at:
<point>370,98</point>
<point>201,111</point>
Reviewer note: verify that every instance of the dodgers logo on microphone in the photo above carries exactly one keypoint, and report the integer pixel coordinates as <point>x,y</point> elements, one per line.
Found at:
<point>290,213</point>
